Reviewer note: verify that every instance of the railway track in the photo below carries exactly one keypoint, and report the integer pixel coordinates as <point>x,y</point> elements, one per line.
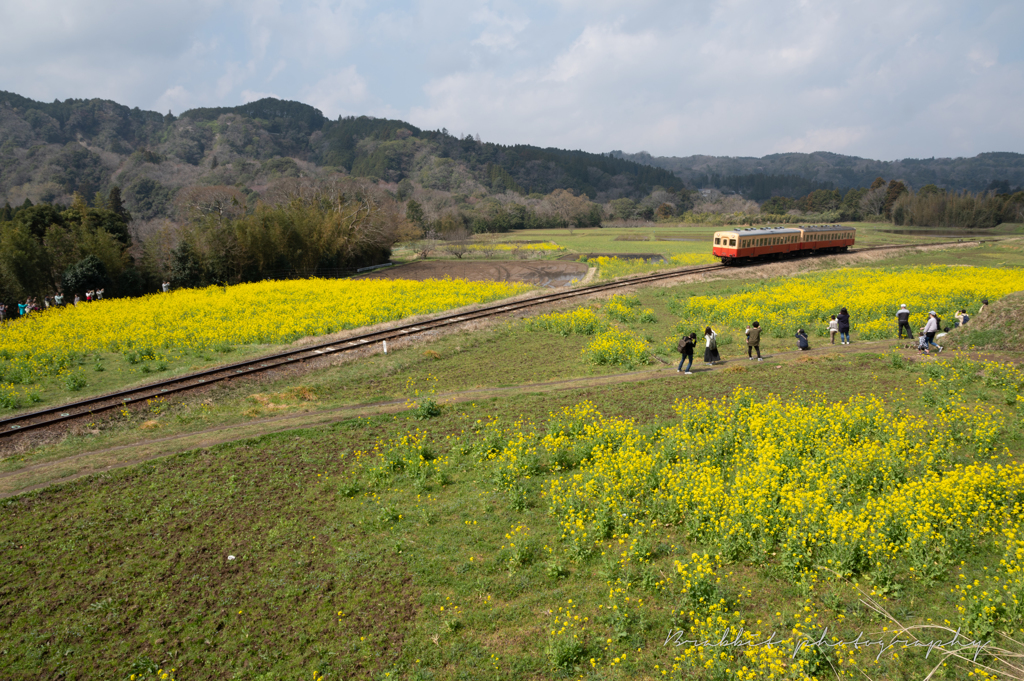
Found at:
<point>65,413</point>
<point>51,416</point>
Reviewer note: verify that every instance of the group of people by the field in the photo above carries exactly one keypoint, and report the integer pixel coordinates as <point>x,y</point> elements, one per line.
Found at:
<point>839,324</point>
<point>33,304</point>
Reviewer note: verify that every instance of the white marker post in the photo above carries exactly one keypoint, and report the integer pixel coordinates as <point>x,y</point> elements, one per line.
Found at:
<point>385,347</point>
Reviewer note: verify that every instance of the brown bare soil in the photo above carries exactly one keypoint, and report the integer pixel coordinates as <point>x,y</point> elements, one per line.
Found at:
<point>548,273</point>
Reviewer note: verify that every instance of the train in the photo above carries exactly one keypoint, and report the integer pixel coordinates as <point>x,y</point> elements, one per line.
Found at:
<point>741,246</point>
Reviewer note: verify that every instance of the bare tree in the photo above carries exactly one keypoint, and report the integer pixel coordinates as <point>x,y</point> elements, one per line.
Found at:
<point>568,207</point>
<point>197,203</point>
<point>456,242</point>
<point>873,202</point>
<point>426,245</point>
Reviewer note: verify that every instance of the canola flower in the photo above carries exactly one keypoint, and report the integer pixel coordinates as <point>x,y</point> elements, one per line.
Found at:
<point>547,246</point>
<point>193,319</point>
<point>872,297</point>
<point>617,346</point>
<point>611,267</point>
<point>613,346</point>
<point>859,491</point>
<point>582,321</point>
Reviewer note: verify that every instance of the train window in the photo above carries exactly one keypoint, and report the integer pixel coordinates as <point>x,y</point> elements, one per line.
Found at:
<point>718,240</point>
<point>732,242</point>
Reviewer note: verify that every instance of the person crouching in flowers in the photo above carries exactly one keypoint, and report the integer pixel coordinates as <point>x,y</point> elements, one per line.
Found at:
<point>801,340</point>
<point>711,347</point>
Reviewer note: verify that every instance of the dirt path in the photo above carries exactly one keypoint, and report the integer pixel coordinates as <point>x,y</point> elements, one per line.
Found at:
<point>44,474</point>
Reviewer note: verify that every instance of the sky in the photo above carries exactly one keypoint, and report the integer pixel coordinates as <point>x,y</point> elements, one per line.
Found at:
<point>882,79</point>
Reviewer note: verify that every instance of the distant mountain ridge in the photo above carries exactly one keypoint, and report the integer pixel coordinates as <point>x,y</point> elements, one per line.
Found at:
<point>50,150</point>
<point>842,172</point>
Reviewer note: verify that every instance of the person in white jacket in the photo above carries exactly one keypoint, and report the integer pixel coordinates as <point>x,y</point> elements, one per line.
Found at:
<point>930,328</point>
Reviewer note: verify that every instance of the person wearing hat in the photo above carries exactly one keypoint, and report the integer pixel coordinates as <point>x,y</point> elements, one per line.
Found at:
<point>903,317</point>
<point>930,328</point>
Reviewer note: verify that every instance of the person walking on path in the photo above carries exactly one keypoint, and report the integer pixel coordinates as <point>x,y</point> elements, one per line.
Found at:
<point>711,347</point>
<point>754,341</point>
<point>903,317</point>
<point>844,326</point>
<point>930,329</point>
<point>685,346</point>
<point>801,340</point>
<point>833,328</point>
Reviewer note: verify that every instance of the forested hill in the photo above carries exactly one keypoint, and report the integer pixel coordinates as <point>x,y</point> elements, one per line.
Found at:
<point>822,169</point>
<point>48,151</point>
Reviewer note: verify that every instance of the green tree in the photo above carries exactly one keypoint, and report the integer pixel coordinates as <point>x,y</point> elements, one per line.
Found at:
<point>87,273</point>
<point>116,205</point>
<point>895,189</point>
<point>622,209</point>
<point>414,213</point>
<point>187,270</point>
<point>24,262</point>
<point>7,213</point>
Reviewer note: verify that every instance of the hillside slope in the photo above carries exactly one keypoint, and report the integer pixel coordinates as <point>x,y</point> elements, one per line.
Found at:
<point>973,174</point>
<point>49,151</point>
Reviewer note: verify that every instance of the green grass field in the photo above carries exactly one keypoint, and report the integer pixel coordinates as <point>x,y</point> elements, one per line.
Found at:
<point>323,551</point>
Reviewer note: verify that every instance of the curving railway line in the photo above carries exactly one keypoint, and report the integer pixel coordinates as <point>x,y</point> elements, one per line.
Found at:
<point>52,416</point>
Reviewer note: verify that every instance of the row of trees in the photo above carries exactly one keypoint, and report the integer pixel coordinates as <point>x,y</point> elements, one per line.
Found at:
<point>46,248</point>
<point>297,229</point>
<point>894,201</point>
<point>561,209</point>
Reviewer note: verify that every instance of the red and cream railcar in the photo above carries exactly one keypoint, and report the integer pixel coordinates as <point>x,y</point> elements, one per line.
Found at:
<point>740,246</point>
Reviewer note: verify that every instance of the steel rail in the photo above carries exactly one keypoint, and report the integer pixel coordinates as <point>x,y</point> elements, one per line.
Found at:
<point>99,403</point>
<point>66,412</point>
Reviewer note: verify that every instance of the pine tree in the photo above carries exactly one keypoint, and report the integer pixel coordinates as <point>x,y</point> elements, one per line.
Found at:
<point>116,204</point>
<point>7,214</point>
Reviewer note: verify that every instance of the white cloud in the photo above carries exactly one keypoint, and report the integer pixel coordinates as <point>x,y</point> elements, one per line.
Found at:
<point>879,78</point>
<point>339,93</point>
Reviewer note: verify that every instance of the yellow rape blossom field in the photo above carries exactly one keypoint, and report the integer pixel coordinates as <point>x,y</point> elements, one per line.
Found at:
<point>835,493</point>
<point>872,297</point>
<point>269,312</point>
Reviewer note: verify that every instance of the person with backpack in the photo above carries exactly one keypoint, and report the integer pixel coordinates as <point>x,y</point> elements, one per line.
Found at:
<point>711,347</point>
<point>903,318</point>
<point>685,346</point>
<point>754,341</point>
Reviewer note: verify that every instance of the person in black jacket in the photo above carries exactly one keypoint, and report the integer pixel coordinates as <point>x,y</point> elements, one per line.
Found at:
<point>844,326</point>
<point>801,340</point>
<point>685,346</point>
<point>903,318</point>
<point>754,341</point>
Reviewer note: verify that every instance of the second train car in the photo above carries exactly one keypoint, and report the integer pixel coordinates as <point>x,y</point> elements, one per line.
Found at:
<point>740,246</point>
